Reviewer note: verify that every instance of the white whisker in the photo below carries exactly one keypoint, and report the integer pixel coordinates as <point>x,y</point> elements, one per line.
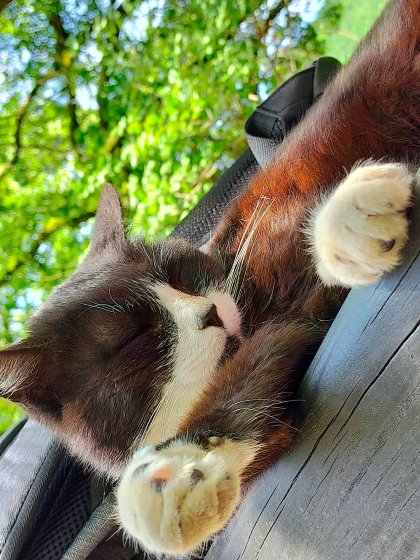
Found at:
<point>234,277</point>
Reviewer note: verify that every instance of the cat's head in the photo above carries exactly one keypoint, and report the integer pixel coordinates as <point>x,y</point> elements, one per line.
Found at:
<point>121,350</point>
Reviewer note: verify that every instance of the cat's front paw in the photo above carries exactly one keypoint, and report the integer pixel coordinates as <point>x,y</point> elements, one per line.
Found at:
<point>173,498</point>
<point>360,232</point>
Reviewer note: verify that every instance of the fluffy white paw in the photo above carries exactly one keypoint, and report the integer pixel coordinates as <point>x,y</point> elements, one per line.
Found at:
<point>173,499</point>
<point>360,232</point>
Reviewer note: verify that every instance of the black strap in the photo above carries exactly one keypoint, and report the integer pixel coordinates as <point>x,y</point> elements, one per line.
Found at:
<point>278,114</point>
<point>265,130</point>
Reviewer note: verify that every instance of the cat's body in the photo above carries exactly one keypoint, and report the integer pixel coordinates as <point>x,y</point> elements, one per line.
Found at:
<point>199,356</point>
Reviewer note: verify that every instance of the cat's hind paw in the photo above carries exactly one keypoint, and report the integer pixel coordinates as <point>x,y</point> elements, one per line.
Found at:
<point>358,235</point>
<point>174,498</point>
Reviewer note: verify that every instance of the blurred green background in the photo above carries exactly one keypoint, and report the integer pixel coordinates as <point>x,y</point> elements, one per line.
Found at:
<point>150,95</point>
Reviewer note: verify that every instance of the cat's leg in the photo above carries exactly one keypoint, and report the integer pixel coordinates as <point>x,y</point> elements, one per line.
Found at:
<point>175,496</point>
<point>359,233</point>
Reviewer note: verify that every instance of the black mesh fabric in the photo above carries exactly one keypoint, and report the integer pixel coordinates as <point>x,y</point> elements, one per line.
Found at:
<point>65,509</point>
<point>202,219</point>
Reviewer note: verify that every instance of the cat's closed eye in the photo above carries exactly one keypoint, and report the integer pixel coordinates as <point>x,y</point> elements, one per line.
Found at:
<point>135,336</point>
<point>147,324</point>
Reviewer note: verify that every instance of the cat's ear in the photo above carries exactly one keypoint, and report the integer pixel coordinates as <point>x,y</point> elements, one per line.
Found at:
<point>24,380</point>
<point>19,366</point>
<point>108,234</point>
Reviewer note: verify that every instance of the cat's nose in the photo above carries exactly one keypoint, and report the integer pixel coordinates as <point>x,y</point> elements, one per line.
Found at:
<point>210,319</point>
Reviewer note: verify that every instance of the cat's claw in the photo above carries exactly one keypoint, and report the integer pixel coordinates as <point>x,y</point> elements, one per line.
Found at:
<point>172,499</point>
<point>359,233</point>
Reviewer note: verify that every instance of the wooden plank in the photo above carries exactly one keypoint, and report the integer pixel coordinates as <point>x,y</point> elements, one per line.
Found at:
<point>349,489</point>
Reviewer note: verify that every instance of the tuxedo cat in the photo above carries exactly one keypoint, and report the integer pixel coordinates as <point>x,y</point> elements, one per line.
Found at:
<point>174,371</point>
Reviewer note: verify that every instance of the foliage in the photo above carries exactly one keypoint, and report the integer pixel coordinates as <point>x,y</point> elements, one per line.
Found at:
<point>150,95</point>
<point>9,414</point>
<point>354,21</point>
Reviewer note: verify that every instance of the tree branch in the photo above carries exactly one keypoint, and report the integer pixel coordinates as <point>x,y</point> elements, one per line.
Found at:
<point>101,100</point>
<point>3,4</point>
<point>37,242</point>
<point>64,59</point>
<point>111,39</point>
<point>264,25</point>
<point>20,118</point>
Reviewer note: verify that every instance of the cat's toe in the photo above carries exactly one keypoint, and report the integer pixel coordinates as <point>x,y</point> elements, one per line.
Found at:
<point>360,232</point>
<point>173,499</point>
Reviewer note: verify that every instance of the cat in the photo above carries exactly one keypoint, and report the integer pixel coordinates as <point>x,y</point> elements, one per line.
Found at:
<point>173,370</point>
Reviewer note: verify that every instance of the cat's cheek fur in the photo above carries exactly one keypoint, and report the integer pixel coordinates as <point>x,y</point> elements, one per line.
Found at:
<point>172,499</point>
<point>359,233</point>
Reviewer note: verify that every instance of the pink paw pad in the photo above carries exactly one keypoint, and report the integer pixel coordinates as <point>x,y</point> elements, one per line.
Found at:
<point>160,478</point>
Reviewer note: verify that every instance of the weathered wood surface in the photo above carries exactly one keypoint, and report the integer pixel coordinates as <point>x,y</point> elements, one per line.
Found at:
<point>349,489</point>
